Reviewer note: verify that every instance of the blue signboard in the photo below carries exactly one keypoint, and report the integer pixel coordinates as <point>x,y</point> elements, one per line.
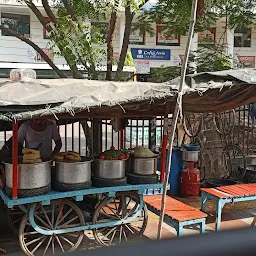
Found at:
<point>150,54</point>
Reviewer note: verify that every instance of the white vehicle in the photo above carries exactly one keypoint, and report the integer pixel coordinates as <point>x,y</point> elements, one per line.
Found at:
<point>44,71</point>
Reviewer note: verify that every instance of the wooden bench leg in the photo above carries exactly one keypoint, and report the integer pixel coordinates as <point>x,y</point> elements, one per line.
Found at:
<point>179,229</point>
<point>203,201</point>
<point>219,207</point>
<point>202,227</point>
<point>253,222</point>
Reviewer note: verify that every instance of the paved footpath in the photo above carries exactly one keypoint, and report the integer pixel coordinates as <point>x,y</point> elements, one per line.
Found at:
<point>238,219</point>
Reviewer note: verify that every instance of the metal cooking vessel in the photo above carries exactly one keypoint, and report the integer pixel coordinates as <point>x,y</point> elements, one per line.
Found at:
<point>109,169</point>
<point>30,176</point>
<point>190,156</point>
<point>73,172</point>
<point>128,165</point>
<point>144,165</point>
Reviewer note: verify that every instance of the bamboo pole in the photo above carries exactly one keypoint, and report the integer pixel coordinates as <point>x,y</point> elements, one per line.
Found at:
<point>176,113</point>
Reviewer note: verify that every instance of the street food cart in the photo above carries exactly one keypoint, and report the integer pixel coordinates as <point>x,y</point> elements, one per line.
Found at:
<point>53,222</point>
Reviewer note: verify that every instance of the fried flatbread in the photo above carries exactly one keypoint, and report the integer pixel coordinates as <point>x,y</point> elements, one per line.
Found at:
<point>32,161</point>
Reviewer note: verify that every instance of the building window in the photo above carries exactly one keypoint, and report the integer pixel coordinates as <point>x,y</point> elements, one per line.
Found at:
<point>207,37</point>
<point>163,39</point>
<point>46,35</point>
<point>16,22</point>
<point>242,37</point>
<point>99,30</point>
<point>136,36</point>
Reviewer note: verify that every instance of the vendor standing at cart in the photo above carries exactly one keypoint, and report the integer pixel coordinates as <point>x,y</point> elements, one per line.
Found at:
<point>31,134</point>
<point>40,132</point>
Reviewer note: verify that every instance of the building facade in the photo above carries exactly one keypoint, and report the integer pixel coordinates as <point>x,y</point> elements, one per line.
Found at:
<point>147,51</point>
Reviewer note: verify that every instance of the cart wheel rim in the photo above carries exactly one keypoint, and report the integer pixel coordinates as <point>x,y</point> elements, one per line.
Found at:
<point>234,162</point>
<point>59,215</point>
<point>192,124</point>
<point>224,122</point>
<point>14,218</point>
<point>110,209</point>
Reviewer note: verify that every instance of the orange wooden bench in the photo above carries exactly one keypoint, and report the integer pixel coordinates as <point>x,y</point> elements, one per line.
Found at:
<point>227,194</point>
<point>177,214</point>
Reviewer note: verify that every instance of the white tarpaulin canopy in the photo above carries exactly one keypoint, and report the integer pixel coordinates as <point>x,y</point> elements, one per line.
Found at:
<point>205,92</point>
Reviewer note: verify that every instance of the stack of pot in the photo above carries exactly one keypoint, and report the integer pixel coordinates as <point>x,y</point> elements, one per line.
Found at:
<point>110,169</point>
<point>33,179</point>
<point>72,175</point>
<point>143,167</point>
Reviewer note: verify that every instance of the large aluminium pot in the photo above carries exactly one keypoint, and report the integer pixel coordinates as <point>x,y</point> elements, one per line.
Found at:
<point>109,169</point>
<point>73,172</point>
<point>190,156</point>
<point>31,176</point>
<point>144,165</point>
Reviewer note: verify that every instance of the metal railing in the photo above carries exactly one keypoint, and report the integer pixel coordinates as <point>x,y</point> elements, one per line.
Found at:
<point>145,132</point>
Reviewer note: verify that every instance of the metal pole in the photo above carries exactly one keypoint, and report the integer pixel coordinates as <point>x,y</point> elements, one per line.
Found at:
<point>176,114</point>
<point>15,160</point>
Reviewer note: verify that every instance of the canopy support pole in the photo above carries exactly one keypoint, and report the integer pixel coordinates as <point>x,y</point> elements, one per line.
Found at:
<point>15,160</point>
<point>176,114</point>
<point>122,138</point>
<point>164,143</point>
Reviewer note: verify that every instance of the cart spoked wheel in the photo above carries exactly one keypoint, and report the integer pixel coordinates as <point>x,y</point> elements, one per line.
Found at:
<point>201,159</point>
<point>192,124</point>
<point>14,217</point>
<point>234,162</point>
<point>59,215</point>
<point>225,122</point>
<point>121,207</point>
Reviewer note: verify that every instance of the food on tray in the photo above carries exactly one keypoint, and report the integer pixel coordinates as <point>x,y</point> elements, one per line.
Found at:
<point>31,156</point>
<point>69,156</point>
<point>30,151</point>
<point>32,161</point>
<point>59,156</point>
<point>143,152</point>
<point>113,154</point>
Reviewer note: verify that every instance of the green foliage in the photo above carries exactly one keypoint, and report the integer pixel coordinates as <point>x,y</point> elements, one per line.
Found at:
<point>164,74</point>
<point>210,59</point>
<point>83,43</point>
<point>175,14</point>
<point>129,60</point>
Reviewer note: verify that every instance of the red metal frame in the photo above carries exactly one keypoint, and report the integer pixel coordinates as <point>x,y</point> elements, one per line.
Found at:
<point>15,160</point>
<point>45,36</point>
<point>163,158</point>
<point>164,144</point>
<point>122,139</point>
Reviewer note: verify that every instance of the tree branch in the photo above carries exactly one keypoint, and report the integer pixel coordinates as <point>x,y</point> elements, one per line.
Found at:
<point>35,47</point>
<point>39,15</point>
<point>110,47</point>
<point>69,9</point>
<point>128,24</point>
<point>72,14</point>
<point>49,11</point>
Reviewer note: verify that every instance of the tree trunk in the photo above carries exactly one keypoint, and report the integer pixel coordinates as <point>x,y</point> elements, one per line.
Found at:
<point>39,15</point>
<point>86,129</point>
<point>110,47</point>
<point>42,20</point>
<point>35,47</point>
<point>128,24</point>
<point>49,11</point>
<point>69,9</point>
